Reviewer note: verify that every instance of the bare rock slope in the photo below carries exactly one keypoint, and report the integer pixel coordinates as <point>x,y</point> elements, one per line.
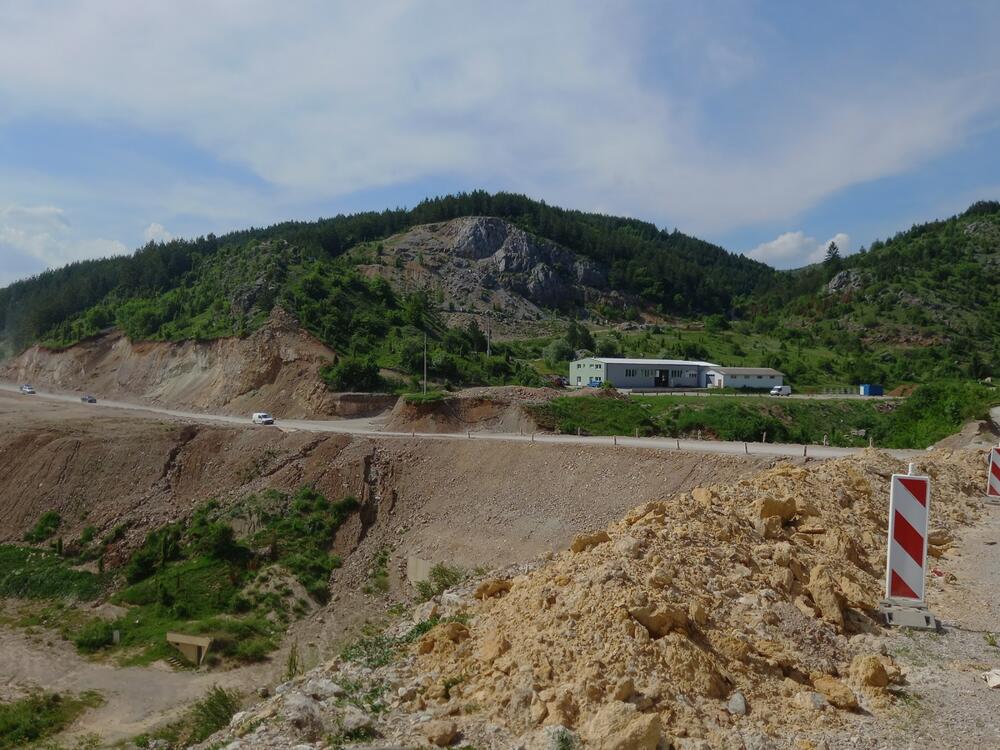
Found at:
<point>275,369</point>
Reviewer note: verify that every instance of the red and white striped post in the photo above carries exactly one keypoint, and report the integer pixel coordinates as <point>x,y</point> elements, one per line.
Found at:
<point>993,476</point>
<point>906,561</point>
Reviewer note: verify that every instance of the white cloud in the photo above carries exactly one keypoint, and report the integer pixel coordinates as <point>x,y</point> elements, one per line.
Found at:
<point>33,238</point>
<point>795,249</point>
<point>545,98</point>
<point>156,233</point>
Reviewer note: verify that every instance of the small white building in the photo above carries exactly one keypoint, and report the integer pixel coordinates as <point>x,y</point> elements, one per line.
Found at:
<point>639,373</point>
<point>744,377</point>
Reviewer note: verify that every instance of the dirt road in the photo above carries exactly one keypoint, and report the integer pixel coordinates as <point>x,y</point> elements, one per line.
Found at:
<point>372,428</point>
<point>134,697</point>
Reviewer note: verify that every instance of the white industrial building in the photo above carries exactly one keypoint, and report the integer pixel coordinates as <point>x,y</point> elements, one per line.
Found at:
<point>744,377</point>
<point>639,373</point>
<point>667,373</point>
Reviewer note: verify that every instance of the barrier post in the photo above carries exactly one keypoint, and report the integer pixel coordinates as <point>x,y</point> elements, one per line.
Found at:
<point>906,556</point>
<point>678,444</point>
<point>993,476</point>
<point>615,439</point>
<point>745,448</point>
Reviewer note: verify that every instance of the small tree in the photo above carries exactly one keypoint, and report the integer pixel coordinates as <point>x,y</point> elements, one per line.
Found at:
<point>832,254</point>
<point>557,352</point>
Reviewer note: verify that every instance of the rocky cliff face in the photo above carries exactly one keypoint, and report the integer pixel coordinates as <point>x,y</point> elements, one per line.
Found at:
<point>478,264</point>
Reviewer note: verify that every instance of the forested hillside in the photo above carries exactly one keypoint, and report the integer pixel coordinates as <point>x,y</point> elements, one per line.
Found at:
<point>921,305</point>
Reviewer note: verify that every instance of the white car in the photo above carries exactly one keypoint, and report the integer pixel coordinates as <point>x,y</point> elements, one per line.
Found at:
<point>262,417</point>
<point>27,390</point>
<point>781,390</point>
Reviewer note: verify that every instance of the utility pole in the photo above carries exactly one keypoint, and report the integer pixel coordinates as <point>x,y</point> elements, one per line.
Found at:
<point>425,363</point>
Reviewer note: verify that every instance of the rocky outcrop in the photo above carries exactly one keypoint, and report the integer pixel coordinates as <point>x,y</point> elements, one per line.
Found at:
<point>479,263</point>
<point>845,282</point>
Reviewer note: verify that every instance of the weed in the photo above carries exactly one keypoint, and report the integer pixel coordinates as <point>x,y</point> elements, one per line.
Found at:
<point>292,667</point>
<point>991,639</point>
<point>47,525</point>
<point>441,578</point>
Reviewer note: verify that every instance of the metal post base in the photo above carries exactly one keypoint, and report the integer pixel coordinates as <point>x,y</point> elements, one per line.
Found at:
<point>902,616</point>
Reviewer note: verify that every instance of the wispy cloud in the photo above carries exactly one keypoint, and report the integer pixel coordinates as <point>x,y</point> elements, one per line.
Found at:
<point>33,238</point>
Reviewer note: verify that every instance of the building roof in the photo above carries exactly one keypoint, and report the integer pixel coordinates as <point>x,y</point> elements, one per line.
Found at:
<point>649,362</point>
<point>747,371</point>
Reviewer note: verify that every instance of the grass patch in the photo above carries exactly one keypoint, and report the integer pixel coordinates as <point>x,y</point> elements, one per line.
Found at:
<point>40,716</point>
<point>441,578</point>
<point>932,413</point>
<point>28,573</point>
<point>47,525</point>
<point>430,397</point>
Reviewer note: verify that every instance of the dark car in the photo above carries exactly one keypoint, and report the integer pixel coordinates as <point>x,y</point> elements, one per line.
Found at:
<point>88,399</point>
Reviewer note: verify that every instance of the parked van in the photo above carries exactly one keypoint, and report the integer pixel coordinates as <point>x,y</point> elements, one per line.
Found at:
<point>781,390</point>
<point>262,417</point>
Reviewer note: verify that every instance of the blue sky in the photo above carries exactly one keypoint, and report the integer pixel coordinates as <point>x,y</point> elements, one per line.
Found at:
<point>767,127</point>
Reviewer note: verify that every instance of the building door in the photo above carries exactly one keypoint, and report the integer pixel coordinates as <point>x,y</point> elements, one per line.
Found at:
<point>661,380</point>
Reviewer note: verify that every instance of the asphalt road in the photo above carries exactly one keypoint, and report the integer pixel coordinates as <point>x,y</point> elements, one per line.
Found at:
<point>372,428</point>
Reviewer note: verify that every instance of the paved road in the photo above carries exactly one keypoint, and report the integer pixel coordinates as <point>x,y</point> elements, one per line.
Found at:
<point>372,428</point>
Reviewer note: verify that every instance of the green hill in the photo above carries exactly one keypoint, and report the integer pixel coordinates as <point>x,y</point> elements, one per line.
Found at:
<point>920,306</point>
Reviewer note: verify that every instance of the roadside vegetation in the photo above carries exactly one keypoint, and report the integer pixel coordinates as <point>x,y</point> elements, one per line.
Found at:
<point>932,413</point>
<point>37,717</point>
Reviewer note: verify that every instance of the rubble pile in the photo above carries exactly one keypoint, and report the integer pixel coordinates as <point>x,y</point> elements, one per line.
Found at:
<point>731,616</point>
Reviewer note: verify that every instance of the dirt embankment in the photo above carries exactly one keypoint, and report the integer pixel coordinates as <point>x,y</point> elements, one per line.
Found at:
<point>472,504</point>
<point>275,369</point>
<point>494,409</point>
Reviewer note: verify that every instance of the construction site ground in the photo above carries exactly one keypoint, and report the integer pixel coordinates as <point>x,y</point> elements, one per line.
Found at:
<point>473,503</point>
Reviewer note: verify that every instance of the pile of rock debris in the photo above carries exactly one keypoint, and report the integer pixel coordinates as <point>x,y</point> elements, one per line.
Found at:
<point>733,617</point>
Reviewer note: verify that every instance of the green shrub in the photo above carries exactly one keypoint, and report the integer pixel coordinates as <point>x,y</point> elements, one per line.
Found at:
<point>94,636</point>
<point>441,577</point>
<point>353,374</point>
<point>211,713</point>
<point>47,525</point>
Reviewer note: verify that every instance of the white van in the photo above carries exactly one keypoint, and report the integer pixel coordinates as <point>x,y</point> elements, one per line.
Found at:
<point>262,417</point>
<point>781,390</point>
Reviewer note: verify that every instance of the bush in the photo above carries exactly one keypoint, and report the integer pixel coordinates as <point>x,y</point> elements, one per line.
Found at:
<point>94,636</point>
<point>558,353</point>
<point>441,577</point>
<point>48,524</point>
<point>211,713</point>
<point>353,374</point>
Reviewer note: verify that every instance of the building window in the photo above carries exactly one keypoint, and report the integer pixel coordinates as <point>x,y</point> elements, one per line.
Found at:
<point>760,377</point>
